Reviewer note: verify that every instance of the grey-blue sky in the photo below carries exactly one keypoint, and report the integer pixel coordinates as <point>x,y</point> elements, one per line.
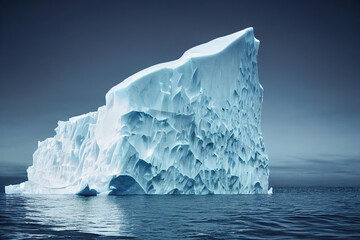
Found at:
<point>59,58</point>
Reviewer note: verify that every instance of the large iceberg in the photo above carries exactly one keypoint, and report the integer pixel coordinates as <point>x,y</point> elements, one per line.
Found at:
<point>190,126</point>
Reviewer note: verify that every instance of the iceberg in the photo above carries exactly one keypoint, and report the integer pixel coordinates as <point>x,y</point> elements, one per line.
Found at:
<point>189,126</point>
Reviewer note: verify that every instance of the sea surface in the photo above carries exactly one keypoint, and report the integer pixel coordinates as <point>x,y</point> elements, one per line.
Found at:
<point>289,213</point>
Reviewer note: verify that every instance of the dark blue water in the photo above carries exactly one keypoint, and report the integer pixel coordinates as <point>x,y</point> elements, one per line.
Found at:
<point>290,213</point>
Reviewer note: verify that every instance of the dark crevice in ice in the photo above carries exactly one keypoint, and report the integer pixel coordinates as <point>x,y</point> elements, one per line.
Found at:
<point>124,185</point>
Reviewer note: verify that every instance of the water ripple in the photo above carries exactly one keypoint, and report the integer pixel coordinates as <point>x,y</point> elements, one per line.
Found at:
<point>290,213</point>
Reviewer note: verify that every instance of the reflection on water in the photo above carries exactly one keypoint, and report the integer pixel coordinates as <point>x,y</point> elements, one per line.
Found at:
<point>101,215</point>
<point>288,213</point>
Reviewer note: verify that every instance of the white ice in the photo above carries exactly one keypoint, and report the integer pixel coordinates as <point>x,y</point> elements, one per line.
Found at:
<point>190,126</point>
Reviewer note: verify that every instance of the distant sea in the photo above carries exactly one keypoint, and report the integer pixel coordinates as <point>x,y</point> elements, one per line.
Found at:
<point>289,213</point>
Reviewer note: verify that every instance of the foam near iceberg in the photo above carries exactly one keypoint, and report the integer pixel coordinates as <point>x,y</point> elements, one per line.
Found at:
<point>190,126</point>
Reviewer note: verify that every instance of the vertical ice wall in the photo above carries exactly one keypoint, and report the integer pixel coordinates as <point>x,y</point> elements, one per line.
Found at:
<point>190,126</point>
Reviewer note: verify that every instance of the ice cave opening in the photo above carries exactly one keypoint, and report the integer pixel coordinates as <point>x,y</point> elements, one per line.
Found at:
<point>125,185</point>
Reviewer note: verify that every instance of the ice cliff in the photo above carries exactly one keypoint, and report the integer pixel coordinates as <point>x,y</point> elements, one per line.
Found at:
<point>190,126</point>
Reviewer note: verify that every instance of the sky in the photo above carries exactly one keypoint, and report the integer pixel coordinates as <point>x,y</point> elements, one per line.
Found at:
<point>59,58</point>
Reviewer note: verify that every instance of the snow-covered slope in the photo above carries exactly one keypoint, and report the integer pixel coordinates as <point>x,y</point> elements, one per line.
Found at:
<point>190,126</point>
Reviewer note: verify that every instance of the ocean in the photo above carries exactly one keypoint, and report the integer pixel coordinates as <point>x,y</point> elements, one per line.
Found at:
<point>289,213</point>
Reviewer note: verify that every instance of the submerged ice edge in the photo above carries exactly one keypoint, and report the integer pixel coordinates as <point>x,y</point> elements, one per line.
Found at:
<point>183,127</point>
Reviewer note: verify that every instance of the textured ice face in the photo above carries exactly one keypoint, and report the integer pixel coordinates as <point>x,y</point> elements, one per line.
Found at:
<point>190,126</point>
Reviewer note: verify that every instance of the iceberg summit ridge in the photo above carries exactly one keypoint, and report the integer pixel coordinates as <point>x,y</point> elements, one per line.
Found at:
<point>189,126</point>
